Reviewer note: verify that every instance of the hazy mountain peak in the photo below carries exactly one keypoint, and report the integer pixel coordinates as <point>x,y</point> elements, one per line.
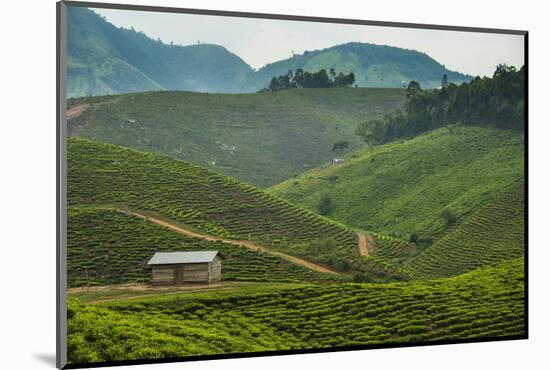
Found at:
<point>104,59</point>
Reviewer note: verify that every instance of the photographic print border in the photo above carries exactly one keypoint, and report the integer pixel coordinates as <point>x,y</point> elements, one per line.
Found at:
<point>61,187</point>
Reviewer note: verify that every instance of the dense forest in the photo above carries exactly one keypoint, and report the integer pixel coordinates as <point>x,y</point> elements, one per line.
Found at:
<point>305,79</point>
<point>498,101</point>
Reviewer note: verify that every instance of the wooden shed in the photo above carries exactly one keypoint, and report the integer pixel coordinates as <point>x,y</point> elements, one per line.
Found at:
<point>174,268</point>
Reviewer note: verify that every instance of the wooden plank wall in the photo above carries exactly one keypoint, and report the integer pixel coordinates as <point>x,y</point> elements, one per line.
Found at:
<point>188,273</point>
<point>163,276</point>
<point>195,273</point>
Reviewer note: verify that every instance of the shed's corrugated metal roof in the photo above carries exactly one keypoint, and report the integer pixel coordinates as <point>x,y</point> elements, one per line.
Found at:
<point>168,258</point>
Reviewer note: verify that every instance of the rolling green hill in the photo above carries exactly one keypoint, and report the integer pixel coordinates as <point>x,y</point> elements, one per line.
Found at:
<point>373,66</point>
<point>103,174</point>
<point>495,232</point>
<point>114,247</point>
<point>484,303</point>
<point>103,59</point>
<point>424,186</point>
<point>260,138</point>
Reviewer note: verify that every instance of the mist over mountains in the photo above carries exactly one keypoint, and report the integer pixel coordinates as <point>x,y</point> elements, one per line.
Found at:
<point>103,59</point>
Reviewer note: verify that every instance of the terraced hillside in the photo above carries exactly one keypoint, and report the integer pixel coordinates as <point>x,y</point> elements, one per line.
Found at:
<point>493,233</point>
<point>113,247</point>
<point>394,249</point>
<point>261,138</point>
<point>488,302</point>
<point>103,174</point>
<point>420,188</point>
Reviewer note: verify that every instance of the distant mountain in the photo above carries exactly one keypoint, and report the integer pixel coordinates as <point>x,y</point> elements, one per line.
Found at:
<point>373,66</point>
<point>104,59</point>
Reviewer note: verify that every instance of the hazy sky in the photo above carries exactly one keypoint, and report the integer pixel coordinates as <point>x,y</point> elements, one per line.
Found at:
<point>261,41</point>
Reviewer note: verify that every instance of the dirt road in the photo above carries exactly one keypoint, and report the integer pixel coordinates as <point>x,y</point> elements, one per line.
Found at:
<point>362,243</point>
<point>366,243</point>
<point>242,243</point>
<point>76,111</point>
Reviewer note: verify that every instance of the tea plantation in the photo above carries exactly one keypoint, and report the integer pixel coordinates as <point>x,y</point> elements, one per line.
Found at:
<point>493,233</point>
<point>421,187</point>
<point>114,247</point>
<point>393,248</point>
<point>261,138</point>
<point>484,303</point>
<point>103,174</point>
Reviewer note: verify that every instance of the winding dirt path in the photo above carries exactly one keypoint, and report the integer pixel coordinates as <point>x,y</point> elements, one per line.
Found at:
<point>76,111</point>
<point>241,243</point>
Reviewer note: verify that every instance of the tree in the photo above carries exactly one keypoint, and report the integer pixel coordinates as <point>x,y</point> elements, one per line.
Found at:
<point>321,79</point>
<point>274,85</point>
<point>372,131</point>
<point>503,69</point>
<point>301,79</point>
<point>444,81</point>
<point>498,101</point>
<point>339,145</point>
<point>351,79</point>
<point>413,88</point>
<point>325,206</point>
<point>298,78</point>
<point>449,216</point>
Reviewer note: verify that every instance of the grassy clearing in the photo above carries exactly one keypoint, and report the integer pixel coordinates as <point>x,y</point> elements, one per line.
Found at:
<point>261,138</point>
<point>488,302</point>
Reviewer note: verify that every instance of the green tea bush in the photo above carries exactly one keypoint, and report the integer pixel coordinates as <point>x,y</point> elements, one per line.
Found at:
<point>105,174</point>
<point>484,303</point>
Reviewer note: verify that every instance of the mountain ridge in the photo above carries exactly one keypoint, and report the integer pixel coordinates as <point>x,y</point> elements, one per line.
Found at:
<point>104,59</point>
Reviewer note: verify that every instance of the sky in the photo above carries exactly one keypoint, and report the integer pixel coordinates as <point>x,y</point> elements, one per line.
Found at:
<point>262,41</point>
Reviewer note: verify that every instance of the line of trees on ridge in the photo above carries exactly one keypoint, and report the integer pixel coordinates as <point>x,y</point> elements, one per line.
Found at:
<point>305,79</point>
<point>498,101</point>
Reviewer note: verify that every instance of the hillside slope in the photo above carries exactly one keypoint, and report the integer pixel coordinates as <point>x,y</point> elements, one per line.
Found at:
<point>260,138</point>
<point>424,186</point>
<point>103,59</point>
<point>113,247</point>
<point>103,174</point>
<point>485,303</point>
<point>494,233</point>
<point>373,66</point>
